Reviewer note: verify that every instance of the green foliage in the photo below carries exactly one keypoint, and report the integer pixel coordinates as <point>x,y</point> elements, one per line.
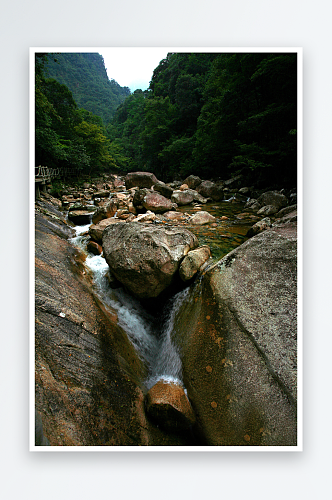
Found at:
<point>85,75</point>
<point>57,189</point>
<point>214,115</point>
<point>66,136</point>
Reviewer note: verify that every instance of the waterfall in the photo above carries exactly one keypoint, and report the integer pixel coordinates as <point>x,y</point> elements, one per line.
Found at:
<point>156,349</point>
<point>132,318</point>
<point>168,365</point>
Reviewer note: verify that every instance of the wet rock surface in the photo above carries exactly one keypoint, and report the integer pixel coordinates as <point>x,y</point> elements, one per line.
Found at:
<point>168,404</point>
<point>239,348</point>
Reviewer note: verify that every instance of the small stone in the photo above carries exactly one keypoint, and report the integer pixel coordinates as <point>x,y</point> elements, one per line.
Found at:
<point>201,218</point>
<point>209,369</point>
<point>214,404</point>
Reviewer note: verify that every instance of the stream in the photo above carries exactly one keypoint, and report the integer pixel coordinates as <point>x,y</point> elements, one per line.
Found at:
<point>152,336</point>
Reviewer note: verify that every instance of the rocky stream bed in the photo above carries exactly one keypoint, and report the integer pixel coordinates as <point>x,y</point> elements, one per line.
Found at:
<point>207,273</point>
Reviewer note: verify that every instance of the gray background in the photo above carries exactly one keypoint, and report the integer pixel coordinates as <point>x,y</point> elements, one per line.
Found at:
<point>238,23</point>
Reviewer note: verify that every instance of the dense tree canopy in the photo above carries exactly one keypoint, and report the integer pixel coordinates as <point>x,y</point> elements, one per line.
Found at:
<point>66,136</point>
<point>214,115</point>
<point>210,114</point>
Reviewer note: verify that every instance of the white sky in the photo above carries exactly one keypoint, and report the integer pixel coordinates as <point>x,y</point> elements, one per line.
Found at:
<point>132,66</point>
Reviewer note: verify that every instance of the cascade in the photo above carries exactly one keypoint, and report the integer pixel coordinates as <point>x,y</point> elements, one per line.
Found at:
<point>152,341</point>
<point>151,337</point>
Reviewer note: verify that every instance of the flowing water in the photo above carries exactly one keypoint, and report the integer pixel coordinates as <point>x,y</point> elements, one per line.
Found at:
<point>151,336</point>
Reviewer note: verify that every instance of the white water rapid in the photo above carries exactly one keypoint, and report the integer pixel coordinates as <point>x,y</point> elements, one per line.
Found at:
<point>155,348</point>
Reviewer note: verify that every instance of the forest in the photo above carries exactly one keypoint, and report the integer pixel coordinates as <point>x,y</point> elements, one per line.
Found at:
<point>214,115</point>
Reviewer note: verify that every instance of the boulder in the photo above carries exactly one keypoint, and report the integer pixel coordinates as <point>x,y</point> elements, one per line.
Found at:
<point>168,405</point>
<point>193,261</point>
<point>94,247</point>
<point>78,205</point>
<point>238,344</point>
<point>175,216</point>
<point>80,217</point>
<point>156,202</point>
<point>273,198</point>
<point>240,197</point>
<point>209,189</point>
<point>105,212</point>
<point>267,210</point>
<point>182,197</point>
<point>96,230</point>
<point>192,181</point>
<point>175,184</point>
<point>163,189</point>
<point>145,258</point>
<point>201,218</point>
<point>260,226</point>
<point>131,218</point>
<point>140,179</point>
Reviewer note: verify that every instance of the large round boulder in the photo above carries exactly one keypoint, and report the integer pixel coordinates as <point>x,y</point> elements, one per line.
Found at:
<point>140,179</point>
<point>145,258</point>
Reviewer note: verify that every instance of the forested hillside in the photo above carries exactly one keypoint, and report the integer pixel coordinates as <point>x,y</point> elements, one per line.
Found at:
<point>210,114</point>
<point>85,76</point>
<point>66,136</point>
<point>213,115</point>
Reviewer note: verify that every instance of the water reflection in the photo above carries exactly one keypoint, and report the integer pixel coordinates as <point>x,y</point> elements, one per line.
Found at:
<point>228,232</point>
